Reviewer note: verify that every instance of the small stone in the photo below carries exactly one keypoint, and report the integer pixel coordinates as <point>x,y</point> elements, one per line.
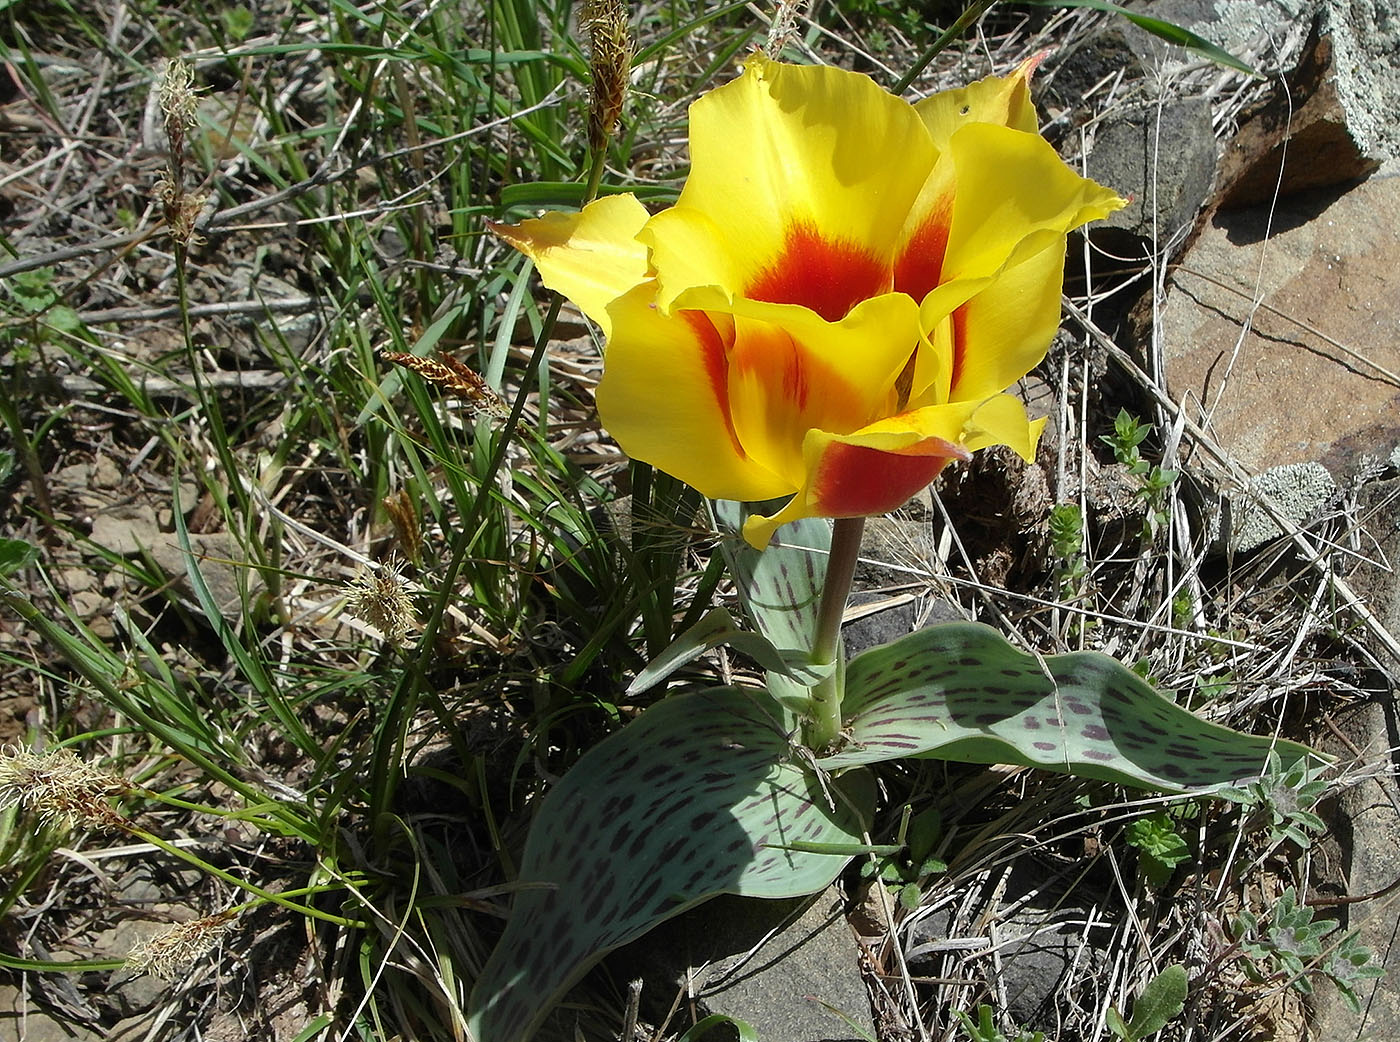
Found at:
<point>217,557</point>
<point>75,580</point>
<point>106,473</point>
<point>92,607</point>
<point>127,529</point>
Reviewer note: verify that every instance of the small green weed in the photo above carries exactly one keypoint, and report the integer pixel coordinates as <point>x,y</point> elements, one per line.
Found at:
<point>1128,435</point>
<point>1162,1000</point>
<point>984,1029</point>
<point>1159,845</point>
<point>907,870</point>
<point>1282,802</point>
<point>1067,544</point>
<point>1289,944</point>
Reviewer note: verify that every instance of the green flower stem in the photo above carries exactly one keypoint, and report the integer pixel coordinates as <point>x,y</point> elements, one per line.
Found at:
<point>973,12</point>
<point>596,163</point>
<point>242,884</point>
<point>823,725</point>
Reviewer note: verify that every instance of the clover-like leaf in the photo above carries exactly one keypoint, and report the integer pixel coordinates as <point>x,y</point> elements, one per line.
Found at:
<point>700,795</point>
<point>960,692</point>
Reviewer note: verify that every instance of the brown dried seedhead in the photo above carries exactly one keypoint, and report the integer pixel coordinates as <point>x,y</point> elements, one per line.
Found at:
<point>610,59</point>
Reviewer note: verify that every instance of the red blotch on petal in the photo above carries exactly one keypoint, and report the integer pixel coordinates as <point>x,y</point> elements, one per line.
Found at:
<point>854,480</point>
<point>919,268</point>
<point>715,356</point>
<point>825,275</point>
<point>959,320</point>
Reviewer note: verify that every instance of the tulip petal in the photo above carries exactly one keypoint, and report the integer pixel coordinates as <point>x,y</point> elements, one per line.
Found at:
<point>592,257</point>
<point>1003,332</point>
<point>937,358</point>
<point>664,397</point>
<point>881,466</point>
<point>791,372</point>
<point>918,266</point>
<point>1009,186</point>
<point>803,177</point>
<point>1002,100</point>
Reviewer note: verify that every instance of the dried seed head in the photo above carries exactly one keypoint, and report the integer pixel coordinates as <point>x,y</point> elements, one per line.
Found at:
<point>610,58</point>
<point>178,104</point>
<point>783,26</point>
<point>178,99</point>
<point>380,597</point>
<point>407,527</point>
<point>170,956</point>
<point>60,788</point>
<point>182,210</point>
<point>456,378</point>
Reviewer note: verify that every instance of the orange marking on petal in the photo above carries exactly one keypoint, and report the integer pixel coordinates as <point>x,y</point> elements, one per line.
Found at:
<point>714,354</point>
<point>827,276</point>
<point>854,480</point>
<point>771,355</point>
<point>959,320</point>
<point>918,270</point>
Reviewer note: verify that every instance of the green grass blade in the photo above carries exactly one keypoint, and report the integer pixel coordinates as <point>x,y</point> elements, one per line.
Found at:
<point>1164,30</point>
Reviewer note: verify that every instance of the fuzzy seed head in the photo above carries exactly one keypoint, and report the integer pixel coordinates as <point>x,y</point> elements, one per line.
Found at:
<point>182,210</point>
<point>381,598</point>
<point>610,58</point>
<point>178,99</point>
<point>59,788</point>
<point>783,26</point>
<point>171,955</point>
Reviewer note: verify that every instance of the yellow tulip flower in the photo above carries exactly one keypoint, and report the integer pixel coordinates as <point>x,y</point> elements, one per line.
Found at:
<point>836,304</point>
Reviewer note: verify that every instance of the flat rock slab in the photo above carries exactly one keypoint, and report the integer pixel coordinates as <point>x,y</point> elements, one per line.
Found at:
<point>793,974</point>
<point>1310,374</point>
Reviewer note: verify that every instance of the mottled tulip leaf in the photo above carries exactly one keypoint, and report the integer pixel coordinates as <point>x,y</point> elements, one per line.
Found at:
<point>701,795</point>
<point>718,627</point>
<point>780,586</point>
<point>960,692</point>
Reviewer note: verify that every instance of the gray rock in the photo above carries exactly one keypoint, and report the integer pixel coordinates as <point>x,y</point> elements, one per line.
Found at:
<point>127,529</point>
<point>1366,39</point>
<point>1161,157</point>
<point>1039,949</point>
<point>764,962</point>
<point>1299,491</point>
<point>1269,33</point>
<point>1299,137</point>
<point>23,1020</point>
